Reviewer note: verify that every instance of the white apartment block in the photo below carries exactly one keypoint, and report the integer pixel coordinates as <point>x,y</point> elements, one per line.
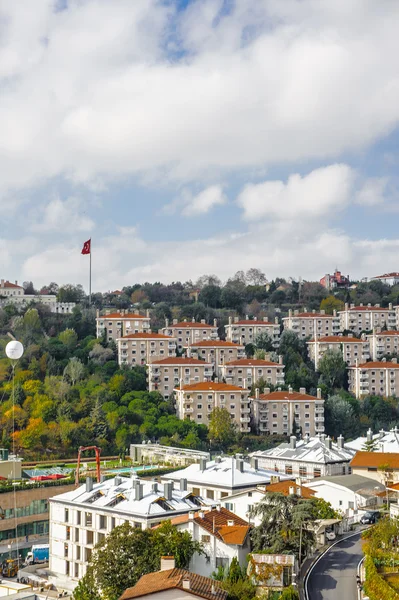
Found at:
<point>188,333</point>
<point>118,324</point>
<point>81,518</point>
<point>351,348</point>
<point>169,373</point>
<point>12,293</point>
<point>197,401</point>
<point>378,378</point>
<point>309,324</point>
<point>382,343</point>
<point>246,330</point>
<point>366,318</point>
<point>217,352</point>
<point>307,459</point>
<point>222,477</point>
<point>387,278</point>
<point>274,413</point>
<point>142,348</point>
<point>246,371</point>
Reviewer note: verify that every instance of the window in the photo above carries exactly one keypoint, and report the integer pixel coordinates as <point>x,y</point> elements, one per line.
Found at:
<point>90,537</point>
<point>196,491</point>
<point>66,515</point>
<point>112,523</point>
<point>77,552</point>
<point>68,533</point>
<point>222,562</point>
<point>229,506</point>
<point>210,494</point>
<point>340,502</point>
<point>288,469</point>
<point>224,494</point>
<point>76,534</point>
<point>303,471</point>
<point>89,519</point>
<point>103,522</point>
<point>76,570</point>
<point>66,550</point>
<point>88,553</point>
<point>67,564</point>
<point>205,539</point>
<point>316,472</point>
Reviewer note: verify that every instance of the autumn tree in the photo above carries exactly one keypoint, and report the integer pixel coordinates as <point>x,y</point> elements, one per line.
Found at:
<point>222,429</point>
<point>330,304</point>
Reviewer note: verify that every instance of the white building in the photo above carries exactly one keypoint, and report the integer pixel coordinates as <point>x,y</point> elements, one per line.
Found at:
<point>366,318</point>
<point>145,347</point>
<point>81,518</point>
<point>383,441</point>
<point>247,371</point>
<point>189,333</point>
<point>118,324</point>
<point>154,454</point>
<point>307,459</point>
<point>350,347</point>
<point>349,493</point>
<point>387,278</point>
<point>12,293</point>
<point>222,477</point>
<point>382,343</point>
<point>216,352</point>
<point>223,535</point>
<point>245,331</point>
<point>379,378</point>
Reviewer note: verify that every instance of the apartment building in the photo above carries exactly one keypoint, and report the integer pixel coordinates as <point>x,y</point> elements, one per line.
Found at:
<point>351,348</point>
<point>387,278</point>
<point>366,318</point>
<point>382,343</point>
<point>82,517</point>
<point>246,371</point>
<point>307,459</point>
<point>309,324</point>
<point>188,333</point>
<point>274,413</point>
<point>118,324</point>
<point>378,378</point>
<point>12,293</point>
<point>245,331</point>
<point>217,352</point>
<point>197,401</point>
<point>142,348</point>
<point>370,464</point>
<point>222,477</point>
<point>169,373</point>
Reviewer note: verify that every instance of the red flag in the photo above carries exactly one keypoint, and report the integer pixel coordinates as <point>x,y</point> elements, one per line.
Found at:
<point>86,247</point>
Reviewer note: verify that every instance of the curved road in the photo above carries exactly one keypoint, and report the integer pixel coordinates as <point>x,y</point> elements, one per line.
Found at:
<point>333,577</point>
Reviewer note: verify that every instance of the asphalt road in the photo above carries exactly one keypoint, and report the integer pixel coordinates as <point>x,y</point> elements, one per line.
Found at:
<point>334,575</point>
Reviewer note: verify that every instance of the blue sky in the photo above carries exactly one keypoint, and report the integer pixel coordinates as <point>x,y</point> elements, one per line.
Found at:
<point>198,137</point>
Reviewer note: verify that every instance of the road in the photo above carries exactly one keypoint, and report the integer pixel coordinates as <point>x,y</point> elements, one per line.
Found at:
<point>334,575</point>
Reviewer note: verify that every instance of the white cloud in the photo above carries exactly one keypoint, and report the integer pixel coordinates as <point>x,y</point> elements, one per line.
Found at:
<point>191,205</point>
<point>320,192</point>
<point>61,215</point>
<point>373,192</point>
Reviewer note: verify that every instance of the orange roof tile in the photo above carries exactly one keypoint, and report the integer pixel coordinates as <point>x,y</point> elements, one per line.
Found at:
<point>152,583</point>
<point>339,339</point>
<point>252,322</point>
<point>366,308</point>
<point>144,335</point>
<point>364,460</point>
<point>392,332</point>
<point>283,487</point>
<point>218,522</point>
<point>287,396</point>
<point>252,362</point>
<point>121,317</point>
<point>215,343</point>
<point>305,315</point>
<point>180,360</point>
<point>8,284</point>
<point>211,386</point>
<point>184,324</point>
<point>377,364</point>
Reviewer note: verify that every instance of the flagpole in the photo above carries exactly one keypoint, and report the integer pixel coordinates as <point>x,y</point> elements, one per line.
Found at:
<point>90,276</point>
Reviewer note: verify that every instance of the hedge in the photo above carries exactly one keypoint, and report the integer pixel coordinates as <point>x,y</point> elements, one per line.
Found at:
<point>375,586</point>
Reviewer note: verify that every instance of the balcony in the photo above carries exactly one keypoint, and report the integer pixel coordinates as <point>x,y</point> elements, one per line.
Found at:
<point>319,419</point>
<point>320,428</point>
<point>188,409</point>
<point>245,410</point>
<point>244,419</point>
<point>263,419</point>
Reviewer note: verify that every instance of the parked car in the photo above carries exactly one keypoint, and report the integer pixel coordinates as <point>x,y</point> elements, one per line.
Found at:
<point>330,534</point>
<point>370,517</point>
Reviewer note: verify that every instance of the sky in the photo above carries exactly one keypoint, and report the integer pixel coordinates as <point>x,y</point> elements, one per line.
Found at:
<point>196,137</point>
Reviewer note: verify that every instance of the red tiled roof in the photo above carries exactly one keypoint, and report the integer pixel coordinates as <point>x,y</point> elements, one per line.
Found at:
<point>305,315</point>
<point>217,523</point>
<point>377,364</point>
<point>215,343</point>
<point>152,583</point>
<point>283,487</point>
<point>286,396</point>
<point>386,275</point>
<point>185,324</point>
<point>367,308</point>
<point>364,460</point>
<point>252,362</point>
<point>212,386</point>
<point>144,335</point>
<point>392,332</point>
<point>252,322</point>
<point>8,284</point>
<point>180,360</point>
<point>120,316</point>
<point>338,339</point>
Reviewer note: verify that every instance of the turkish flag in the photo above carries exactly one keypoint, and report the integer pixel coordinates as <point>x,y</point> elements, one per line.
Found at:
<point>86,247</point>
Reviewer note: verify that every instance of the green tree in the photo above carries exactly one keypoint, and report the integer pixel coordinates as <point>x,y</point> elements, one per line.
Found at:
<point>69,337</point>
<point>289,593</point>
<point>332,369</point>
<point>74,370</point>
<point>263,341</point>
<point>340,417</point>
<point>210,296</point>
<point>330,304</point>
<point>98,422</point>
<point>222,430</point>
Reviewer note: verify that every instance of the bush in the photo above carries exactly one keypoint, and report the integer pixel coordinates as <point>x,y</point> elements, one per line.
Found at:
<point>375,586</point>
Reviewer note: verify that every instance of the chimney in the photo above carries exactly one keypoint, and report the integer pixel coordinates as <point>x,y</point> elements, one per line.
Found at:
<point>174,321</point>
<point>235,319</point>
<point>394,360</point>
<point>291,490</point>
<point>369,435</point>
<point>201,514</point>
<point>381,433</point>
<point>188,352</point>
<point>328,442</point>
<point>322,312</point>
<point>89,484</point>
<point>2,283</point>
<point>302,390</point>
<point>246,317</point>
<point>167,563</point>
<point>167,490</point>
<point>183,485</point>
<point>230,320</point>
<point>202,321</point>
<point>254,463</point>
<point>97,313</point>
<point>186,582</point>
<point>202,464</point>
<point>299,491</point>
<point>340,442</point>
<point>306,438</point>
<point>166,322</point>
<point>215,322</point>
<point>334,313</point>
<point>191,515</point>
<point>138,491</point>
<point>240,465</point>
<point>390,306</point>
<point>147,313</point>
<point>290,312</point>
<point>154,487</point>
<point>319,393</point>
<point>290,390</point>
<point>256,392</point>
<point>267,391</point>
<point>293,442</point>
<point>230,522</point>
<point>280,360</point>
<point>276,320</point>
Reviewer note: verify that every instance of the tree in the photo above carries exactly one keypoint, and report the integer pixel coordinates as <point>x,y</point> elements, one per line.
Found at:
<point>255,277</point>
<point>98,423</point>
<point>210,296</point>
<point>234,580</point>
<point>69,337</point>
<point>263,341</point>
<point>100,355</point>
<point>29,288</point>
<point>340,418</point>
<point>74,370</point>
<point>222,430</point>
<point>330,304</point>
<point>332,369</point>
<point>289,593</point>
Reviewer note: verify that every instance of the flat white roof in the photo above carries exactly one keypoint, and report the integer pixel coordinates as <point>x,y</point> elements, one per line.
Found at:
<point>313,451</point>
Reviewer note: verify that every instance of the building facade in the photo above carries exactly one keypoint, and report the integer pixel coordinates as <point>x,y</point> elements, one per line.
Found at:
<point>142,348</point>
<point>247,371</point>
<point>382,343</point>
<point>387,278</point>
<point>310,324</point>
<point>351,348</point>
<point>188,333</point>
<point>12,293</point>
<point>118,324</point>
<point>217,352</point>
<point>274,413</point>
<point>197,401</point>
<point>331,282</point>
<point>169,373</point>
<point>365,318</point>
<point>246,330</point>
<point>378,378</point>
